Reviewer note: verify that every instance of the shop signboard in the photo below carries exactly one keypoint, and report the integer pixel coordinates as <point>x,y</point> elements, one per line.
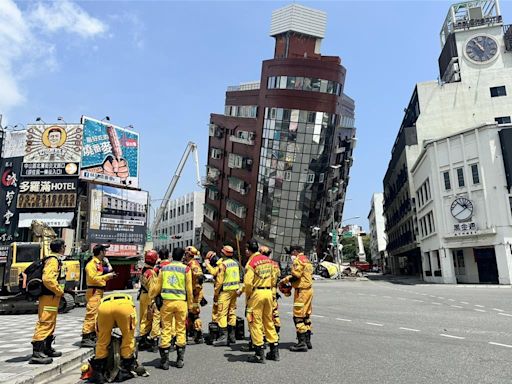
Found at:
<point>110,154</point>
<point>45,193</point>
<point>9,172</point>
<point>117,216</point>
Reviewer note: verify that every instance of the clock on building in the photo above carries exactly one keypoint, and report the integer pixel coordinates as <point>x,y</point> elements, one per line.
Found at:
<point>462,209</point>
<point>481,49</point>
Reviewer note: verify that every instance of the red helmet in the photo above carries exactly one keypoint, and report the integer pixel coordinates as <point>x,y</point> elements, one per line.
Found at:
<point>285,288</point>
<point>227,250</point>
<point>151,257</point>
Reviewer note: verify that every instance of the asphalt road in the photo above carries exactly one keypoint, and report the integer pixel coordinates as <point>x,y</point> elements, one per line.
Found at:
<point>370,332</point>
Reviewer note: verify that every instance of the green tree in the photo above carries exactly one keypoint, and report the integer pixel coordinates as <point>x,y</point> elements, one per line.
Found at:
<point>351,248</point>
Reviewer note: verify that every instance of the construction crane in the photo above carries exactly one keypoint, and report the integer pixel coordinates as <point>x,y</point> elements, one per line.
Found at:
<point>191,147</point>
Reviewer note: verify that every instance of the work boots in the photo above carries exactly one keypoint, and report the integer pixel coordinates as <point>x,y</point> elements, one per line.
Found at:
<point>38,356</point>
<point>98,371</point>
<point>274,352</point>
<point>164,359</point>
<point>181,356</point>
<point>308,340</point>
<point>198,337</point>
<point>126,371</point>
<point>173,344</point>
<point>48,349</point>
<point>143,344</point>
<point>278,329</point>
<point>301,343</point>
<point>88,340</point>
<point>231,334</point>
<point>259,355</point>
<point>248,347</point>
<point>222,341</point>
<point>152,345</point>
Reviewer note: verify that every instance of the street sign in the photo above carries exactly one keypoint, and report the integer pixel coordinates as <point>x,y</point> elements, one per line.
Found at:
<point>162,236</point>
<point>149,237</point>
<point>334,237</point>
<point>346,235</point>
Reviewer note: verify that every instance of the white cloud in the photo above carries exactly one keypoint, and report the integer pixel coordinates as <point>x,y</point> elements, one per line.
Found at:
<point>137,27</point>
<point>66,16</point>
<point>24,53</point>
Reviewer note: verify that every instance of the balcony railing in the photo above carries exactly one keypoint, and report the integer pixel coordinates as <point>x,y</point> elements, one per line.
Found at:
<point>236,139</point>
<point>253,85</point>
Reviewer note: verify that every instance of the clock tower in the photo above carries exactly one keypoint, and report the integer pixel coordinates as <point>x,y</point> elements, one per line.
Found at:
<point>473,38</point>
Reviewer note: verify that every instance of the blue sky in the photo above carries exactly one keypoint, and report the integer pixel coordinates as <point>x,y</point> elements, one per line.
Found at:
<point>163,67</point>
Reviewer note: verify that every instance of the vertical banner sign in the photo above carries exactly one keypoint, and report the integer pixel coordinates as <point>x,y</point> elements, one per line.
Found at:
<point>109,153</point>
<point>52,150</point>
<point>117,216</point>
<point>9,185</point>
<point>14,143</point>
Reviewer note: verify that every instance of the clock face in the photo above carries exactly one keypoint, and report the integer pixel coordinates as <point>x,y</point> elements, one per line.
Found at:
<point>462,209</point>
<point>481,49</point>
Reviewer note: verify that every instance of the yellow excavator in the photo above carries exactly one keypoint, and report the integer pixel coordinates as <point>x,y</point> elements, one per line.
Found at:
<point>13,299</point>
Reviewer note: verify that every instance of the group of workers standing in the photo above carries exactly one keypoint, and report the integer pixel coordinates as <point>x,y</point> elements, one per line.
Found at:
<point>171,296</point>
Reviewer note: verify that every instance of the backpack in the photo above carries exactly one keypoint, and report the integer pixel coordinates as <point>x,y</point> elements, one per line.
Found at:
<point>33,278</point>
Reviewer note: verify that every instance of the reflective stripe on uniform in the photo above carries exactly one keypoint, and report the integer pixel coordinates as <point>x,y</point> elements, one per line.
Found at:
<point>298,304</point>
<point>49,308</point>
<point>174,291</point>
<point>231,276</point>
<point>174,281</point>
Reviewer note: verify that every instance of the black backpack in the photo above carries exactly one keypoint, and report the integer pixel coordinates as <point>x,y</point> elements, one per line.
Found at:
<point>34,278</point>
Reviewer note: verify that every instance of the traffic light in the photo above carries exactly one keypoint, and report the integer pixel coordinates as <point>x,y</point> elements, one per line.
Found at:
<point>175,237</point>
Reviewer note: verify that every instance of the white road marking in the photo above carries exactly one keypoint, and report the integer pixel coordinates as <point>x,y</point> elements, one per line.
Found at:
<point>418,301</point>
<point>410,329</point>
<point>376,324</point>
<point>479,310</point>
<point>436,303</point>
<point>479,306</point>
<point>432,296</point>
<point>439,297</point>
<point>456,306</point>
<point>424,294</point>
<point>361,294</point>
<point>464,302</point>
<point>387,297</point>
<point>340,319</point>
<point>500,345</point>
<point>498,310</point>
<point>451,336</point>
<point>317,316</point>
<point>505,314</point>
<point>402,298</point>
<point>451,300</point>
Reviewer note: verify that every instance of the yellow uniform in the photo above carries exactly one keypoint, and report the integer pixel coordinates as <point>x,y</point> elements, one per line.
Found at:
<point>96,279</point>
<point>276,275</point>
<point>227,282</point>
<point>54,278</point>
<point>215,307</point>
<point>302,280</point>
<point>197,291</point>
<point>174,284</point>
<point>116,310</point>
<point>258,291</point>
<point>147,280</point>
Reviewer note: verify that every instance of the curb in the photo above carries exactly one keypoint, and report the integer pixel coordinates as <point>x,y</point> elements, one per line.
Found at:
<point>48,372</point>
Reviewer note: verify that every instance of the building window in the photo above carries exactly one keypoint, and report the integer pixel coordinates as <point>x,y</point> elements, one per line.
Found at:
<point>235,161</point>
<point>311,178</point>
<point>460,177</point>
<point>447,182</point>
<point>236,208</point>
<point>216,153</point>
<point>498,91</point>
<point>438,259</point>
<point>502,120</point>
<point>288,176</point>
<point>474,174</point>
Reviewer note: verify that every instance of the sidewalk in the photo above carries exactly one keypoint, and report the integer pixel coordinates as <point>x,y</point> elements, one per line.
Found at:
<point>416,280</point>
<point>15,349</point>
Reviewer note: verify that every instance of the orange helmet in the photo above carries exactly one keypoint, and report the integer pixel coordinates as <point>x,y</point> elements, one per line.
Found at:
<point>227,250</point>
<point>192,250</point>
<point>264,250</point>
<point>209,255</point>
<point>285,289</point>
<point>151,257</point>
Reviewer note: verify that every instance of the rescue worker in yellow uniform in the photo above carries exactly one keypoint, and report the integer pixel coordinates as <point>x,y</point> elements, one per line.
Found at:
<point>157,320</point>
<point>227,283</point>
<point>98,271</point>
<point>259,304</point>
<point>211,261</point>
<point>148,336</point>
<point>174,286</point>
<point>276,276</point>
<point>192,259</point>
<point>301,279</point>
<point>115,310</point>
<point>54,279</point>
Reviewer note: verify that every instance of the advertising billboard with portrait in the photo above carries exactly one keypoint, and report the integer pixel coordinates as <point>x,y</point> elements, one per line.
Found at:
<point>52,150</point>
<point>117,216</point>
<point>110,154</point>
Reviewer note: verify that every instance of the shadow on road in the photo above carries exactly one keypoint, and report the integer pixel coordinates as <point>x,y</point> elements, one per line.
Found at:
<point>401,280</point>
<point>19,359</point>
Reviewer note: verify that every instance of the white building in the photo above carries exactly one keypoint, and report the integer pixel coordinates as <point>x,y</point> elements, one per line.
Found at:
<point>463,206</point>
<point>377,233</point>
<point>475,74</point>
<point>181,222</point>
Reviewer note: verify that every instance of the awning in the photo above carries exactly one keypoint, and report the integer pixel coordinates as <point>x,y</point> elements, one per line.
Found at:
<point>124,260</point>
<point>52,219</point>
<point>233,227</point>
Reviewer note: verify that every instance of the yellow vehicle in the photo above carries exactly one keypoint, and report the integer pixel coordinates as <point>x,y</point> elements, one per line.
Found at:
<point>12,298</point>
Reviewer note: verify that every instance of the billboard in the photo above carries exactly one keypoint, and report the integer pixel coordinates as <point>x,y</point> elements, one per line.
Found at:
<point>52,150</point>
<point>14,143</point>
<point>9,183</point>
<point>117,216</point>
<point>58,193</point>
<point>109,153</point>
